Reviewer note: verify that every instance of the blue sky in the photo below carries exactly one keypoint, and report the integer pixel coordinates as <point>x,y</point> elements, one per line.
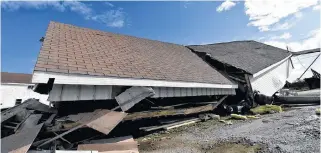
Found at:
<point>293,24</point>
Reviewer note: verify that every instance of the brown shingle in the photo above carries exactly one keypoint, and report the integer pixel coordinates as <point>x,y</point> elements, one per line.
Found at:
<point>16,77</point>
<point>95,52</point>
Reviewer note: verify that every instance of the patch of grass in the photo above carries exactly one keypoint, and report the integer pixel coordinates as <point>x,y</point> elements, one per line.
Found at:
<point>266,109</point>
<point>238,117</point>
<point>317,111</point>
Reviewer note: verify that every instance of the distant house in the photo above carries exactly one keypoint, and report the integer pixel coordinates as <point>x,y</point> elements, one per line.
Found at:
<point>266,67</point>
<point>16,88</point>
<point>89,64</point>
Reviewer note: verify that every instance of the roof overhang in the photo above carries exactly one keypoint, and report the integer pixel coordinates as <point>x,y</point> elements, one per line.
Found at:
<point>43,77</point>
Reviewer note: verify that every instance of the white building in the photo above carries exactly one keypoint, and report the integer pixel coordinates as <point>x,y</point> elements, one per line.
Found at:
<point>16,88</point>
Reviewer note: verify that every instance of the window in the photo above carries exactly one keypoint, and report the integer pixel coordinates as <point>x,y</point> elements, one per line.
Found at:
<point>18,101</point>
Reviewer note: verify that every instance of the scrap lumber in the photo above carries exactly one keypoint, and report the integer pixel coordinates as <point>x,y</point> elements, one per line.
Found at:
<point>50,119</point>
<point>101,120</point>
<point>152,128</point>
<point>182,124</point>
<point>111,147</point>
<point>132,96</point>
<point>20,142</point>
<point>32,104</point>
<point>112,140</point>
<point>173,112</point>
<point>30,122</point>
<point>9,113</point>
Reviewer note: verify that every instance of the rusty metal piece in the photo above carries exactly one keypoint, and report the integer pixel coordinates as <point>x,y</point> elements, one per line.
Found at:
<point>20,142</point>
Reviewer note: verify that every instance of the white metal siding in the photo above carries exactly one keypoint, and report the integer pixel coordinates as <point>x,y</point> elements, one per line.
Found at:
<point>273,80</point>
<point>86,92</point>
<point>11,92</point>
<point>185,92</point>
<point>79,92</point>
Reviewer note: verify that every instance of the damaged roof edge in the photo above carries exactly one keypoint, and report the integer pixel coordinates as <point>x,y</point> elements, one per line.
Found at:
<point>43,77</point>
<point>270,67</point>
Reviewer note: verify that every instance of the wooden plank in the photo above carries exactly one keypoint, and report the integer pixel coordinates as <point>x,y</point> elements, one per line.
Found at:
<point>110,146</point>
<point>20,142</point>
<point>112,140</point>
<point>101,120</point>
<point>152,128</point>
<point>179,125</point>
<point>9,113</point>
<point>173,112</point>
<point>30,122</point>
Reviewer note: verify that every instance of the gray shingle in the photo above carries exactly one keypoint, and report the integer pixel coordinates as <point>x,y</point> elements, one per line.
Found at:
<point>74,50</point>
<point>250,56</point>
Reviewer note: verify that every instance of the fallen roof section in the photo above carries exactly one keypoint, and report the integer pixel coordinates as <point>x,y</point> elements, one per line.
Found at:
<point>73,51</point>
<point>306,52</point>
<point>7,77</point>
<point>250,56</point>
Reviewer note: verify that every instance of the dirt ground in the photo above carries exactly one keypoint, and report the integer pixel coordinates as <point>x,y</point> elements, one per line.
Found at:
<point>295,130</point>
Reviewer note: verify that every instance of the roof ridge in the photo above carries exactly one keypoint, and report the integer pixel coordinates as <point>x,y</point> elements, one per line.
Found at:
<point>55,22</point>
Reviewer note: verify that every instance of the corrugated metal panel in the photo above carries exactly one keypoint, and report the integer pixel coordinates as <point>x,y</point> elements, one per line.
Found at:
<point>86,92</point>
<point>273,80</point>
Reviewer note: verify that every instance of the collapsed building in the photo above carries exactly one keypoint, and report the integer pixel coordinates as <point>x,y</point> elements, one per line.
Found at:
<point>97,79</point>
<point>78,64</point>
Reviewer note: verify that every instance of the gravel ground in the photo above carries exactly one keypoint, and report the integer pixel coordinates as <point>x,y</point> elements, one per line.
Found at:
<point>295,130</point>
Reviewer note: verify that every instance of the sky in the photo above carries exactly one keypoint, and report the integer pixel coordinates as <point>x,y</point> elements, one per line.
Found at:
<point>281,23</point>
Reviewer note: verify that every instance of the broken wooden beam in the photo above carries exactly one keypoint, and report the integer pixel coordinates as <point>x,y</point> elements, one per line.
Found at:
<point>173,112</point>
<point>101,120</point>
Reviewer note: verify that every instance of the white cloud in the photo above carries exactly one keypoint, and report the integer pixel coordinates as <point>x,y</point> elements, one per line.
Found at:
<point>317,7</point>
<point>79,7</point>
<point>313,41</point>
<point>112,18</point>
<point>285,35</point>
<point>109,4</point>
<point>266,13</point>
<point>225,6</point>
<point>16,5</point>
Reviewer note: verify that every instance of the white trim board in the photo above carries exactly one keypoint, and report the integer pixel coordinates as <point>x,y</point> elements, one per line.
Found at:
<point>270,67</point>
<point>43,77</point>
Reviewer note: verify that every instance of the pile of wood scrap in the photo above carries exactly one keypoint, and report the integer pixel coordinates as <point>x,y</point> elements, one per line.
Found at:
<point>35,126</point>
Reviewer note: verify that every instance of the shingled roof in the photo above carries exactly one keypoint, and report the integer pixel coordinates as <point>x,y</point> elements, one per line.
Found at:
<point>68,49</point>
<point>250,56</point>
<point>15,78</point>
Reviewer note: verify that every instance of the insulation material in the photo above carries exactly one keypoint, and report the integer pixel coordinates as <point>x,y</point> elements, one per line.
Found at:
<point>273,80</point>
<point>132,96</point>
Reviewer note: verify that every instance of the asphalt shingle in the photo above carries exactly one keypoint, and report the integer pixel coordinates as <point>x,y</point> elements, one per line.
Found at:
<point>74,50</point>
<point>250,56</point>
